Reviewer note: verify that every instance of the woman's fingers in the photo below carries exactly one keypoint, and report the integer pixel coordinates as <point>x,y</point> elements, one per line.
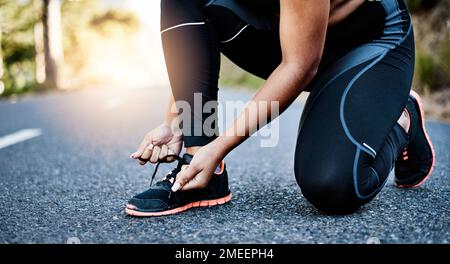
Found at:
<point>155,154</point>
<point>185,177</point>
<point>170,152</point>
<point>164,152</point>
<point>142,147</point>
<point>198,182</point>
<point>146,155</point>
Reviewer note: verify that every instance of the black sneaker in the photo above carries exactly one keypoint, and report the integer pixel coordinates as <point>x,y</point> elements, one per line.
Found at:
<point>159,200</point>
<point>416,163</point>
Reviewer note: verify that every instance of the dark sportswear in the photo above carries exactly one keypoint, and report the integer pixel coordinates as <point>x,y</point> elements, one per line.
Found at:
<point>348,138</point>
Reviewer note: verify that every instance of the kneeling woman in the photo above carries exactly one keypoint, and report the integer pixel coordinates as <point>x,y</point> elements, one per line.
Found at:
<point>355,57</point>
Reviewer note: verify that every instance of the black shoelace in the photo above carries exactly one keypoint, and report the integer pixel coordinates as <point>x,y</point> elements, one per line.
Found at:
<point>171,174</point>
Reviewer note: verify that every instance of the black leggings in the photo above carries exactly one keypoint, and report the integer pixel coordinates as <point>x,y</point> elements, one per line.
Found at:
<point>348,137</point>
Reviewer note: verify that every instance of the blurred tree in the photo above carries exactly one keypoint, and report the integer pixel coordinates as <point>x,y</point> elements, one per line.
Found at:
<point>53,50</point>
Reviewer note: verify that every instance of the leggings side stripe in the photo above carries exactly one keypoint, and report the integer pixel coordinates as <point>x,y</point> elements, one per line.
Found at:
<point>183,25</point>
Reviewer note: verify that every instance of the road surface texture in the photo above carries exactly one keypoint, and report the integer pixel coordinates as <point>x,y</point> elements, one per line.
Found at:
<point>69,181</point>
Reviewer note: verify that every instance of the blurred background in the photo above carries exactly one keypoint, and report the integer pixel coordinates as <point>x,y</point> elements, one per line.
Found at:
<point>73,44</point>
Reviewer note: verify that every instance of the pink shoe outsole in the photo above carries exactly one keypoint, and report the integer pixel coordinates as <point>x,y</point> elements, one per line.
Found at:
<point>422,117</point>
<point>130,209</point>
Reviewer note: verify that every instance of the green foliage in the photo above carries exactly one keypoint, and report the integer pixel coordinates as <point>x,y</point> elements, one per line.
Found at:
<point>414,5</point>
<point>444,55</point>
<point>421,5</point>
<point>17,45</point>
<point>425,70</point>
<point>432,70</point>
<point>231,75</point>
<point>432,45</point>
<point>108,22</point>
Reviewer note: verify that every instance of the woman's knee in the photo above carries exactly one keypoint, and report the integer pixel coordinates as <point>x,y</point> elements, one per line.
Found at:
<point>328,188</point>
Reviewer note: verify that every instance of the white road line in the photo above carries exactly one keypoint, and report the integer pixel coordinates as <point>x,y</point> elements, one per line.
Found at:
<point>19,136</point>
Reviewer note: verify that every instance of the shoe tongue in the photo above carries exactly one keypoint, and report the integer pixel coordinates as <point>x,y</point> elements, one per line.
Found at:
<point>413,116</point>
<point>187,158</point>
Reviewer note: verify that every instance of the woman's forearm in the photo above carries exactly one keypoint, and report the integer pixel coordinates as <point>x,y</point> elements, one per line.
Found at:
<point>280,90</point>
<point>171,112</point>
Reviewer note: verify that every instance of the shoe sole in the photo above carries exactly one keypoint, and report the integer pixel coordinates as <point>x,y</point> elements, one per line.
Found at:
<point>130,209</point>
<point>422,121</point>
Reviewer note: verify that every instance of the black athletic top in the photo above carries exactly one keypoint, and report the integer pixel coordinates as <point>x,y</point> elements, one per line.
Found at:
<point>263,5</point>
<point>366,23</point>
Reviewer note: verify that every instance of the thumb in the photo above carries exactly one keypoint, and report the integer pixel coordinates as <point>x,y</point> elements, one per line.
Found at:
<point>184,176</point>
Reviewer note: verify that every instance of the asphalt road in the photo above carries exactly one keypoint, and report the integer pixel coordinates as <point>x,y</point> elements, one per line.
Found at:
<point>70,183</point>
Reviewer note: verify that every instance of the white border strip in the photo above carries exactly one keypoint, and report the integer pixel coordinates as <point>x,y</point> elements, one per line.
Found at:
<point>235,36</point>
<point>370,148</point>
<point>19,136</point>
<point>183,25</point>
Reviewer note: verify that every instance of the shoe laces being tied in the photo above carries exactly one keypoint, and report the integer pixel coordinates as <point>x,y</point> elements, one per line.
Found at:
<point>172,174</point>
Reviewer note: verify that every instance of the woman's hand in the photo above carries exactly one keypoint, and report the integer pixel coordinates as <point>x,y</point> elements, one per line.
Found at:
<point>199,172</point>
<point>158,143</point>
